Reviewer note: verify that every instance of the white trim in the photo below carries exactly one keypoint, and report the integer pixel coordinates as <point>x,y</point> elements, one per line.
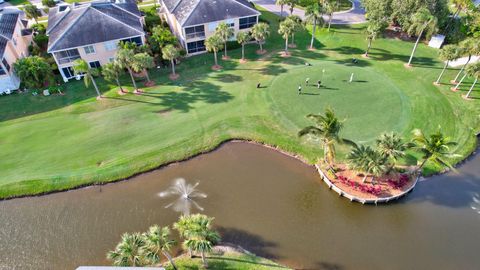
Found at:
<point>96,43</point>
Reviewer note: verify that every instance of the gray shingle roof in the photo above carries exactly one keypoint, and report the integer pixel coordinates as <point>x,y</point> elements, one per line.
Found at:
<point>8,22</point>
<point>193,12</point>
<point>90,23</point>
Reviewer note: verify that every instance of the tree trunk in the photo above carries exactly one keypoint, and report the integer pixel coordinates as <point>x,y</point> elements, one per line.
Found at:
<point>169,258</point>
<point>204,260</point>
<point>261,46</point>
<point>215,57</point>
<point>364,178</point>
<point>146,74</point>
<point>330,17</point>
<point>415,47</point>
<point>286,45</point>
<point>471,88</point>
<point>291,10</point>
<point>133,79</point>
<point>421,165</point>
<point>95,85</point>
<point>118,83</point>
<point>368,46</point>
<point>281,11</point>
<point>225,50</point>
<point>443,71</point>
<point>463,68</point>
<point>173,67</point>
<point>460,82</point>
<point>313,33</point>
<point>243,51</point>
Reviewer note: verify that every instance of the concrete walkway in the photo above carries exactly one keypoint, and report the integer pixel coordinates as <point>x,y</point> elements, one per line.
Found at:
<point>353,16</point>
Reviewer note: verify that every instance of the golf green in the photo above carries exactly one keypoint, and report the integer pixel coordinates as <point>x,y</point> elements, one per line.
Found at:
<point>370,104</point>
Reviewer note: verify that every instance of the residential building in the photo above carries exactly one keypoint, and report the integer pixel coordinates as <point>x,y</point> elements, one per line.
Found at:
<point>92,31</point>
<point>15,38</point>
<point>193,21</point>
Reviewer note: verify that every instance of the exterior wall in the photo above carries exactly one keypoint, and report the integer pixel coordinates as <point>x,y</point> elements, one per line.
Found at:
<point>210,30</point>
<point>16,48</point>
<point>101,54</point>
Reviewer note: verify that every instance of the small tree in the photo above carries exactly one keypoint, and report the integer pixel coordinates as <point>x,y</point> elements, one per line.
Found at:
<point>434,148</point>
<point>81,68</point>
<point>213,44</point>
<point>374,29</point>
<point>32,12</point>
<point>125,57</point>
<point>158,243</point>
<point>285,30</point>
<point>422,22</point>
<point>468,47</point>
<point>129,252</point>
<point>242,38</point>
<point>474,71</point>
<point>281,3</point>
<point>170,53</point>
<point>33,71</point>
<point>297,26</point>
<point>447,53</point>
<point>225,32</point>
<point>141,63</point>
<point>260,32</point>
<point>314,15</point>
<point>392,147</point>
<point>111,72</point>
<point>330,7</point>
<point>291,4</point>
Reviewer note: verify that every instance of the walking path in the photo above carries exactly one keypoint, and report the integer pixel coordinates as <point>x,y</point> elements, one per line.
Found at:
<point>353,16</point>
<point>462,61</point>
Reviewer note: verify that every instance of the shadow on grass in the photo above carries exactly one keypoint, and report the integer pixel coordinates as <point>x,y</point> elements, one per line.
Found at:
<point>222,259</point>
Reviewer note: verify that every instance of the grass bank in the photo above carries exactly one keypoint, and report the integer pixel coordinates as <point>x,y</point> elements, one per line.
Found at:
<point>65,141</point>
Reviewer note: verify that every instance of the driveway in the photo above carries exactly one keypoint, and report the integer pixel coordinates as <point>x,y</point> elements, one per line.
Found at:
<point>353,16</point>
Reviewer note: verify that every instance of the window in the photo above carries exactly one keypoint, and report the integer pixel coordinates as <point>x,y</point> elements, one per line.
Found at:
<point>196,46</point>
<point>136,40</point>
<point>94,64</point>
<point>195,32</point>
<point>68,72</point>
<point>67,56</point>
<point>247,22</point>
<point>89,49</point>
<point>110,45</point>
<point>5,64</point>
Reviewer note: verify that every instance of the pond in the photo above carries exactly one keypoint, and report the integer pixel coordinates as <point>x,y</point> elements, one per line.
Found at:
<point>267,202</point>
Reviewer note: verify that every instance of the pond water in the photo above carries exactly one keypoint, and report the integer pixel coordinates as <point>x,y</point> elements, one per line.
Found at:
<point>265,201</point>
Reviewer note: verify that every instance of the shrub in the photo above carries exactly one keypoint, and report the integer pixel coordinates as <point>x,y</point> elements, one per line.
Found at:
<point>41,40</point>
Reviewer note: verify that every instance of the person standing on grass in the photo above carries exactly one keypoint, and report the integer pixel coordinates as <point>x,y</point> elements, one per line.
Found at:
<point>299,89</point>
<point>319,84</point>
<point>306,81</point>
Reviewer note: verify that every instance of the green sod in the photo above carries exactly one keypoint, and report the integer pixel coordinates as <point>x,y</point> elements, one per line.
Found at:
<point>60,142</point>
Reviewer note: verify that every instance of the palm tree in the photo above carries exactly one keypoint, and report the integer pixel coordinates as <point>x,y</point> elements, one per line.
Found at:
<point>198,234</point>
<point>157,243</point>
<point>170,53</point>
<point>392,146</point>
<point>142,62</point>
<point>330,7</point>
<point>377,165</point>
<point>422,22</point>
<point>314,14</point>
<point>213,44</point>
<point>111,71</point>
<point>32,12</point>
<point>435,147</point>
<point>358,159</point>
<point>473,70</point>
<point>81,67</point>
<point>460,5</point>
<point>286,29</point>
<point>374,28</point>
<point>292,4</point>
<point>242,38</point>
<point>125,57</point>
<point>468,47</point>
<point>328,129</point>
<point>297,26</point>
<point>129,252</point>
<point>281,3</point>
<point>225,32</point>
<point>469,70</point>
<point>447,53</point>
<point>260,32</point>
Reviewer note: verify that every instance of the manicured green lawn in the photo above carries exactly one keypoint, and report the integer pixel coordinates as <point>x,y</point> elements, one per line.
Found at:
<point>18,2</point>
<point>60,142</point>
<point>228,261</point>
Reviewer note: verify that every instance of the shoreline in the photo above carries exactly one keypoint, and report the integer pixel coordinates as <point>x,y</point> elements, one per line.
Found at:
<point>215,148</point>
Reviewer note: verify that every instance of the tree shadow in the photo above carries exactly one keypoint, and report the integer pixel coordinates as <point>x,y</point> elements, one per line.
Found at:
<point>273,69</point>
<point>228,78</point>
<point>251,242</point>
<point>223,259</point>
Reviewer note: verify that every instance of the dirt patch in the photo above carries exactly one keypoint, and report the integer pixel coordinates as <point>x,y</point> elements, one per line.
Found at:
<point>173,77</point>
<point>243,61</point>
<point>149,84</point>
<point>261,52</point>
<point>165,112</point>
<point>216,67</point>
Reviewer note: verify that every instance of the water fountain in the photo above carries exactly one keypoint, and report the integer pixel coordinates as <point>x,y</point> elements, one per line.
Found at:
<point>186,193</point>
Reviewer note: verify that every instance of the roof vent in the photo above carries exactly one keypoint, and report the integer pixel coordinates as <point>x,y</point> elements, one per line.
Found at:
<point>62,8</point>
